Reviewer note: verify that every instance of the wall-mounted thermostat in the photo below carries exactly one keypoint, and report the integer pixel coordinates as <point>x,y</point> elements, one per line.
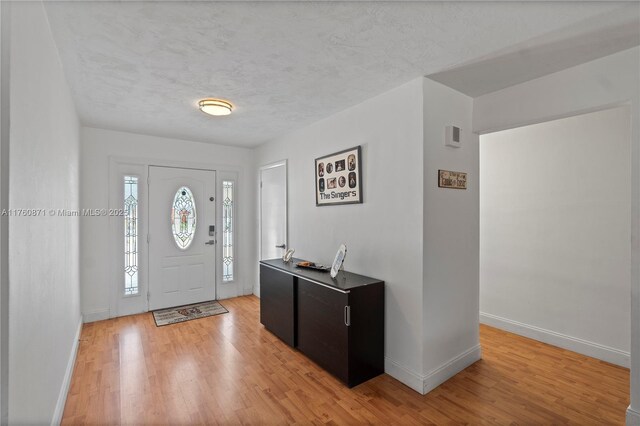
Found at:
<point>452,136</point>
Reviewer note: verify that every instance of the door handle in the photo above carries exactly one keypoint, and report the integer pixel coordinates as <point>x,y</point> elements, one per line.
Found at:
<point>281,246</point>
<point>347,315</point>
<point>210,242</point>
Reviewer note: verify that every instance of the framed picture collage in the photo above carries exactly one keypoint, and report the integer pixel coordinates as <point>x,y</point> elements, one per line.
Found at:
<point>339,178</point>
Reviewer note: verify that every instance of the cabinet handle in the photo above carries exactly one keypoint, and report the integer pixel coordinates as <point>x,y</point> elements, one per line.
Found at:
<point>347,315</point>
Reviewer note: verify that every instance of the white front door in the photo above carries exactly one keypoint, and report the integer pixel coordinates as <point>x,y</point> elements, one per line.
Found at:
<point>181,236</point>
<point>273,210</point>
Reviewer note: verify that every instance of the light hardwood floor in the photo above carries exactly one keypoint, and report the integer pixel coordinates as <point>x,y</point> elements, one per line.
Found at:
<point>228,369</point>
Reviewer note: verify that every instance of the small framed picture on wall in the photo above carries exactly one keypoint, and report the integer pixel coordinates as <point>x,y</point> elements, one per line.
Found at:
<point>339,178</point>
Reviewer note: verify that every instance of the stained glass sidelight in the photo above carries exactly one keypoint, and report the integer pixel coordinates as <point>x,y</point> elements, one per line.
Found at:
<point>130,235</point>
<point>227,231</point>
<point>183,218</point>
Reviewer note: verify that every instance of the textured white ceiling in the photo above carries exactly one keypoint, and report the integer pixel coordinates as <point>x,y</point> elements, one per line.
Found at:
<point>573,45</point>
<point>142,66</point>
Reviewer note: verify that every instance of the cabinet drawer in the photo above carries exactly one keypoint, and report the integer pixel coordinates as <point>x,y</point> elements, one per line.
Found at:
<point>277,304</point>
<point>322,332</point>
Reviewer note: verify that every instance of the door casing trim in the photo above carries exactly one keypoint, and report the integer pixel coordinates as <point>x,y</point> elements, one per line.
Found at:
<point>117,162</point>
<point>286,207</point>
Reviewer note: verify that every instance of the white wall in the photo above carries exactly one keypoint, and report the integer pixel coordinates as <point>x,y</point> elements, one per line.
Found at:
<point>555,226</point>
<point>44,305</point>
<point>384,234</point>
<point>98,146</point>
<point>450,297</point>
<point>612,80</point>
<point>5,34</point>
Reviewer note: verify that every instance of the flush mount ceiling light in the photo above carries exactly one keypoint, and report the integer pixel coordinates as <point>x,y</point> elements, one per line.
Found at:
<point>215,106</point>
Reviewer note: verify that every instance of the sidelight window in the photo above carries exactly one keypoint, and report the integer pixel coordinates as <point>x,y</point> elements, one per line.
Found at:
<point>227,230</point>
<point>130,235</point>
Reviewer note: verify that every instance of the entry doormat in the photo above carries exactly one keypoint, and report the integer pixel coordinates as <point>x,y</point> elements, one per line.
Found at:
<point>188,312</point>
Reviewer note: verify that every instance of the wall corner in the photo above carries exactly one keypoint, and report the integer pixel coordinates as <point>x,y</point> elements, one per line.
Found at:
<point>633,417</point>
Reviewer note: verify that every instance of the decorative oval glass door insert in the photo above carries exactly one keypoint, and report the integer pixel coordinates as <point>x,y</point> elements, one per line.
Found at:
<point>183,218</point>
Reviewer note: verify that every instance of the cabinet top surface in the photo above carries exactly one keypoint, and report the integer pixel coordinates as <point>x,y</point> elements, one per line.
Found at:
<point>343,281</point>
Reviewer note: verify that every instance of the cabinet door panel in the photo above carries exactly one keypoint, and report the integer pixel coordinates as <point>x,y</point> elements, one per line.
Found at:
<point>322,333</point>
<point>277,304</point>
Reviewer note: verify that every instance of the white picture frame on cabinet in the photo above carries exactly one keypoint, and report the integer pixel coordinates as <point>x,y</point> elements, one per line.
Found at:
<point>338,260</point>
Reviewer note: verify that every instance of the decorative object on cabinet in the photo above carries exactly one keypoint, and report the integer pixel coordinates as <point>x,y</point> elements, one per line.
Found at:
<point>338,260</point>
<point>312,265</point>
<point>339,178</point>
<point>288,255</point>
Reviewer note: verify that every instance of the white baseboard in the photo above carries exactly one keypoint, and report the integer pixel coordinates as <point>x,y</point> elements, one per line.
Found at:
<point>633,417</point>
<point>426,383</point>
<point>575,344</point>
<point>96,315</point>
<point>437,376</point>
<point>66,381</point>
<point>403,374</point>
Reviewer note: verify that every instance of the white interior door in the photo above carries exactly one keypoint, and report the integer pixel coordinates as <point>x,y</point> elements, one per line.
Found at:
<point>181,236</point>
<point>273,211</point>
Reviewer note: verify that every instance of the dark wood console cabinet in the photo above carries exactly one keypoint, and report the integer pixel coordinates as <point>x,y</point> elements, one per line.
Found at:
<point>278,304</point>
<point>338,323</point>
